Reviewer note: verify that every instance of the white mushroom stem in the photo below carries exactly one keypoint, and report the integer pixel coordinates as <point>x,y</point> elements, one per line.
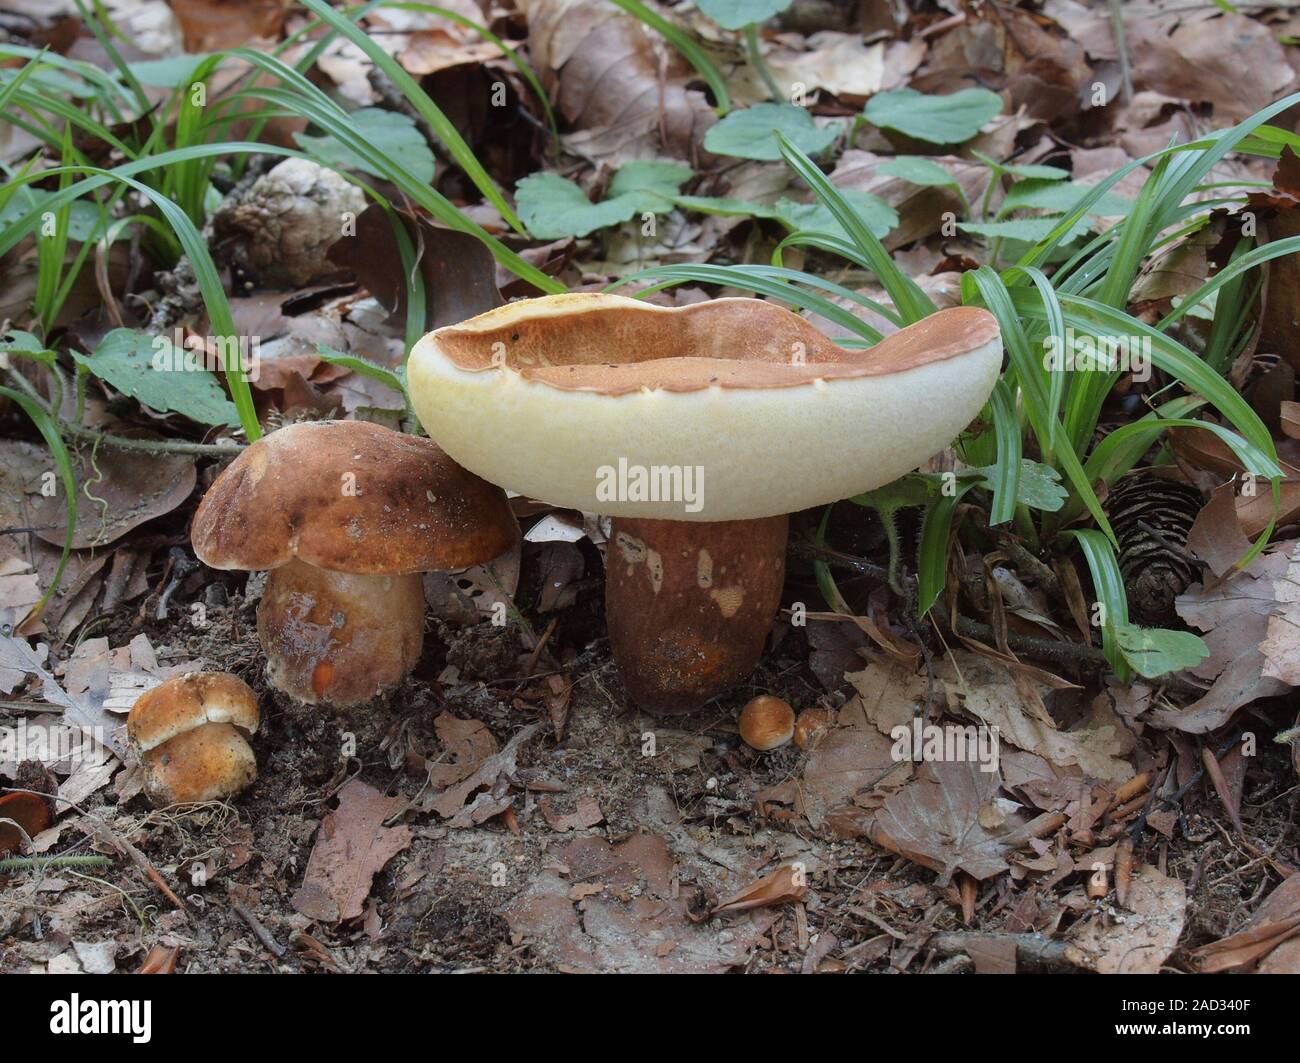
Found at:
<point>336,637</point>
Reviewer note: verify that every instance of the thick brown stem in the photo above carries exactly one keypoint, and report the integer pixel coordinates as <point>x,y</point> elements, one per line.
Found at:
<point>689,605</point>
<point>336,638</point>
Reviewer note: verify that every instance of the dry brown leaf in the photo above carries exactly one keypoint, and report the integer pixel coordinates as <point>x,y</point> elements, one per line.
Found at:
<point>1137,940</point>
<point>937,820</point>
<point>1216,537</point>
<point>1235,616</point>
<point>1290,419</point>
<point>129,487</point>
<point>352,846</point>
<point>587,814</point>
<point>213,25</point>
<point>1014,706</point>
<point>852,765</point>
<point>619,86</point>
<point>492,772</point>
<point>787,883</point>
<point>643,921</point>
<point>1281,645</point>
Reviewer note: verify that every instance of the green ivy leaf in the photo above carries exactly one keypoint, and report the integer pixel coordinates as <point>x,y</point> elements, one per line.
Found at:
<point>749,134</point>
<point>919,171</point>
<point>151,371</point>
<point>1060,197</point>
<point>878,215</point>
<point>168,73</point>
<point>552,207</point>
<point>652,184</point>
<point>1039,487</point>
<point>392,133</point>
<point>1157,651</point>
<point>1030,230</point>
<point>726,206</point>
<point>737,14</point>
<point>951,119</point>
<point>1027,169</point>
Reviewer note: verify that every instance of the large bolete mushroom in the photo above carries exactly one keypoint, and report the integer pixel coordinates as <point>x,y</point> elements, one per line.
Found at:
<point>346,515</point>
<point>697,429</point>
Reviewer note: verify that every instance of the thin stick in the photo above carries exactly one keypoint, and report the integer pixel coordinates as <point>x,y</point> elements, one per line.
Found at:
<point>263,935</point>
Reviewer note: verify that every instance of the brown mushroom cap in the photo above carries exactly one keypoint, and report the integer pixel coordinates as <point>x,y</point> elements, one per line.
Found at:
<point>189,733</point>
<point>766,723</point>
<point>209,763</point>
<point>350,496</point>
<point>546,396</point>
<point>185,702</point>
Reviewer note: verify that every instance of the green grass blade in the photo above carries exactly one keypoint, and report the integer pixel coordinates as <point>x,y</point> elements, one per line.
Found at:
<point>427,109</point>
<point>912,303</point>
<point>1108,584</point>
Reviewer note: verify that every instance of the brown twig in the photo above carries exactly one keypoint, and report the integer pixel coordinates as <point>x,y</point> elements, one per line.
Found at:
<point>254,924</point>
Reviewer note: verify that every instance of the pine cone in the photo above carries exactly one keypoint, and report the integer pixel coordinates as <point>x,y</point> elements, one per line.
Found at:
<point>1152,517</point>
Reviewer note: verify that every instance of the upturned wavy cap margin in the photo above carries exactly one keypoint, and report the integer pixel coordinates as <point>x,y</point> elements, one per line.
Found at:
<point>539,395</point>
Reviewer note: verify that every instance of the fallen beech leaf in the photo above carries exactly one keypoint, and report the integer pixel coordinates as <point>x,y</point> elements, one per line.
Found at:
<point>640,923</point>
<point>587,814</point>
<point>1139,940</point>
<point>1216,537</point>
<point>352,846</point>
<point>935,821</point>
<point>787,883</point>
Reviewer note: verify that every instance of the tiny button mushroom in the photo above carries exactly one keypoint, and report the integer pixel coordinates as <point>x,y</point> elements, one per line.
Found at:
<point>766,723</point>
<point>346,515</point>
<point>191,737</point>
<point>810,725</point>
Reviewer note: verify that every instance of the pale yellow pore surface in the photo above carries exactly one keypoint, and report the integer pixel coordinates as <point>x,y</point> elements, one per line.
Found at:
<point>746,452</point>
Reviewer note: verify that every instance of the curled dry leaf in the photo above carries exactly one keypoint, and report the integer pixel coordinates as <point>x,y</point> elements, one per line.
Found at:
<point>1013,705</point>
<point>619,86</point>
<point>787,883</point>
<point>1271,938</point>
<point>1237,616</point>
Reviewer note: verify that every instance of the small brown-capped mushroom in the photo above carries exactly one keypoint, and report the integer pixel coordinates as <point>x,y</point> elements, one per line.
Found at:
<point>22,816</point>
<point>766,723</point>
<point>345,515</point>
<point>697,429</point>
<point>191,737</point>
<point>810,725</point>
